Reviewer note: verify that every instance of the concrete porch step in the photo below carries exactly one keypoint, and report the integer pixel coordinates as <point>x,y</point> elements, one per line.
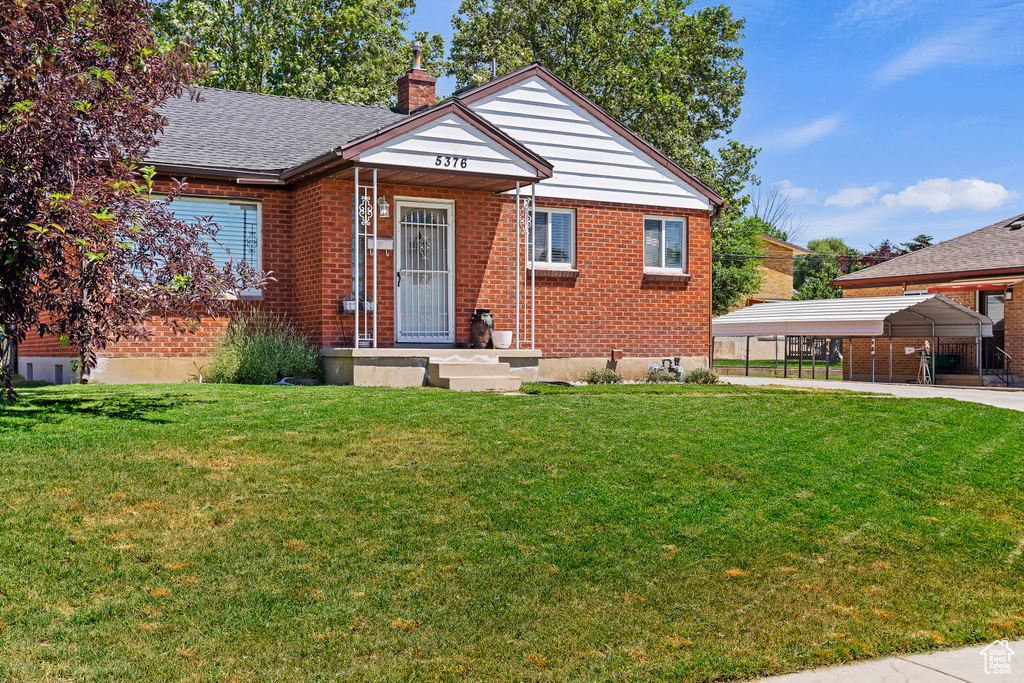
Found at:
<point>498,384</point>
<point>472,376</point>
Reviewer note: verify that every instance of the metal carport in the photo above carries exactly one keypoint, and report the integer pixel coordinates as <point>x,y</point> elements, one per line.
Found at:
<point>914,315</point>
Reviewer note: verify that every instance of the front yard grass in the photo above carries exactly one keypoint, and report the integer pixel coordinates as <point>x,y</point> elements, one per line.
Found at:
<point>214,533</point>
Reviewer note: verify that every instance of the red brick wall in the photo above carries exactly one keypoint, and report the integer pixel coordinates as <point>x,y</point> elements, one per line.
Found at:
<point>307,239</point>
<point>607,305</point>
<point>278,257</point>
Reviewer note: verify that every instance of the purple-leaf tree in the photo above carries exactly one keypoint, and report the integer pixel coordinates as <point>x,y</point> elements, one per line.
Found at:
<point>87,252</point>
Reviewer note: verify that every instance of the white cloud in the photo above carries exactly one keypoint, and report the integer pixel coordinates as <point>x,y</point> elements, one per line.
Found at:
<point>801,136</point>
<point>871,13</point>
<point>943,194</point>
<point>992,39</point>
<point>849,197</point>
<point>798,195</point>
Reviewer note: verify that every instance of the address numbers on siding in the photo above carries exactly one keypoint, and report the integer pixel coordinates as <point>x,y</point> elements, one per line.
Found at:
<point>450,162</point>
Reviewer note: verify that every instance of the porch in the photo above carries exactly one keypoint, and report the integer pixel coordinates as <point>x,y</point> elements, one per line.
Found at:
<point>449,368</point>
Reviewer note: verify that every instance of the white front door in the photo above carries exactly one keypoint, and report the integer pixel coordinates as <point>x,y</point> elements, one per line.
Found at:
<point>424,271</point>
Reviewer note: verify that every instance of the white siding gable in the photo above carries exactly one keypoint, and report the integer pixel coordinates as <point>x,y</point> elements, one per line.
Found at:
<point>452,139</point>
<point>591,161</point>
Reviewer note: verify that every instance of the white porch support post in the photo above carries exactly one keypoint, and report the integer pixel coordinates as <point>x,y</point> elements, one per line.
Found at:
<point>375,304</point>
<point>519,228</point>
<point>356,221</point>
<point>533,269</point>
<point>872,360</point>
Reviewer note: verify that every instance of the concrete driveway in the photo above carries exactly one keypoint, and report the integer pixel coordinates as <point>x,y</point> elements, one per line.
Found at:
<point>981,664</point>
<point>1012,400</point>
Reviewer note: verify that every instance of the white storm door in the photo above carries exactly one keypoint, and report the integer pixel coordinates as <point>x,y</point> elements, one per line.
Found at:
<point>425,272</point>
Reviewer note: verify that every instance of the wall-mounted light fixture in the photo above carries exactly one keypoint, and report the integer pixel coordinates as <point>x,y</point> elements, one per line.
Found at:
<point>1009,295</point>
<point>382,204</point>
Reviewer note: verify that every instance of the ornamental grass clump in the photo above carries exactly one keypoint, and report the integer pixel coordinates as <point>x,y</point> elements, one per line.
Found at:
<point>263,348</point>
<point>601,376</point>
<point>701,376</point>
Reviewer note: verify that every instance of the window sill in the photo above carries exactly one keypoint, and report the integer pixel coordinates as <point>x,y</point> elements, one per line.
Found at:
<point>542,271</point>
<point>665,275</point>
<point>247,295</point>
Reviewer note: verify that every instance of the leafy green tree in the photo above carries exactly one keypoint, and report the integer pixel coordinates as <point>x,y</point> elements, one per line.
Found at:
<point>825,252</point>
<point>919,242</point>
<point>674,77</point>
<point>734,267</point>
<point>342,50</point>
<point>818,285</point>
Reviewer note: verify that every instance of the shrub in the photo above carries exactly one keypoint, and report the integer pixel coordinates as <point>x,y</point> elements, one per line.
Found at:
<point>601,376</point>
<point>656,376</point>
<point>262,348</point>
<point>701,376</point>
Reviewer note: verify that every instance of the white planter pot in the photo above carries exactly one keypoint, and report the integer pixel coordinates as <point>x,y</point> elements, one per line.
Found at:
<point>501,340</point>
<point>349,306</point>
<point>368,306</point>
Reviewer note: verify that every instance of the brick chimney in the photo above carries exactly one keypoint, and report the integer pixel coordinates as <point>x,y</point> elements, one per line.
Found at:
<point>416,86</point>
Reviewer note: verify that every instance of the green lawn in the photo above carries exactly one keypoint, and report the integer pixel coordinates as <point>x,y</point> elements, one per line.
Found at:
<point>634,533</point>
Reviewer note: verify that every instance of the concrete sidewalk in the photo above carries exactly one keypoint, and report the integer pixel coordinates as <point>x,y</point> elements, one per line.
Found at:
<point>967,665</point>
<point>1012,400</point>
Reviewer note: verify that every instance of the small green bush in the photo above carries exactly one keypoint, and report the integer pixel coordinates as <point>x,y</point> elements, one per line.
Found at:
<point>656,376</point>
<point>701,376</point>
<point>601,376</point>
<point>262,348</point>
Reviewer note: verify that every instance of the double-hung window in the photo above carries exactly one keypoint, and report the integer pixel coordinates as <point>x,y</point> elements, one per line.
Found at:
<point>554,238</point>
<point>665,245</point>
<point>238,235</point>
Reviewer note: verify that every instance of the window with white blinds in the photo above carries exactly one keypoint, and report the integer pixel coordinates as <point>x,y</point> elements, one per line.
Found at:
<point>554,238</point>
<point>665,244</point>
<point>238,221</point>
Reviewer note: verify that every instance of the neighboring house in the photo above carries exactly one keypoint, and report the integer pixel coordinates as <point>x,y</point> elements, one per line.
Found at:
<point>980,270</point>
<point>776,269</point>
<point>620,273</point>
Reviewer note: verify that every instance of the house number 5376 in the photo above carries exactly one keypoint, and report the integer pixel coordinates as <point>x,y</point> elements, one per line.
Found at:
<point>450,162</point>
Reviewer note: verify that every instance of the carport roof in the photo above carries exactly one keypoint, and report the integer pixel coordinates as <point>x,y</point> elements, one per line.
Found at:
<point>899,316</point>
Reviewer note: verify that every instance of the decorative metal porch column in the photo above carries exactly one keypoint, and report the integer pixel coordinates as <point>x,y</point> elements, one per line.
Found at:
<point>526,214</point>
<point>364,234</point>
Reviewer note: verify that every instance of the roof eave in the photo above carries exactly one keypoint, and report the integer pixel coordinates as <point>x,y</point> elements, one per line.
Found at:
<point>923,278</point>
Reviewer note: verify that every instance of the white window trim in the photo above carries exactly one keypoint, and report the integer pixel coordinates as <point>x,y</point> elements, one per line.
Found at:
<point>247,294</point>
<point>684,268</point>
<point>549,265</point>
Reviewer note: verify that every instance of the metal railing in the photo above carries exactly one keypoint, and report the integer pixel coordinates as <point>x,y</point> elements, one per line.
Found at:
<point>956,357</point>
<point>1005,373</point>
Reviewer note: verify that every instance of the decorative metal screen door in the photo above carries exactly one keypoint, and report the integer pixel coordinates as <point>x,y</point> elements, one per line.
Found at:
<point>424,278</point>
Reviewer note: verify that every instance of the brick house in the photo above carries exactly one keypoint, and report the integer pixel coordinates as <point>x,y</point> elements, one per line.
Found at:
<point>520,196</point>
<point>979,270</point>
<point>776,269</point>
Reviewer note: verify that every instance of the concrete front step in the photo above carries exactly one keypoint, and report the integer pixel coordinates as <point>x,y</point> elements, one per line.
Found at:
<point>472,376</point>
<point>501,384</point>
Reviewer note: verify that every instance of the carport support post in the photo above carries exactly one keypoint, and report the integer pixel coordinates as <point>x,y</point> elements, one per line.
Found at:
<point>800,369</point>
<point>748,356</point>
<point>872,360</point>
<point>785,357</point>
<point>934,353</point>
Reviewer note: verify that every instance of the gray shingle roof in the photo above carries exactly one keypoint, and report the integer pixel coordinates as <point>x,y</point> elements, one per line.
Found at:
<point>245,131</point>
<point>996,247</point>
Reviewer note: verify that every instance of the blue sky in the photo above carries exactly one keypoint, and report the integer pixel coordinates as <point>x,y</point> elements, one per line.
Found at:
<point>879,118</point>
